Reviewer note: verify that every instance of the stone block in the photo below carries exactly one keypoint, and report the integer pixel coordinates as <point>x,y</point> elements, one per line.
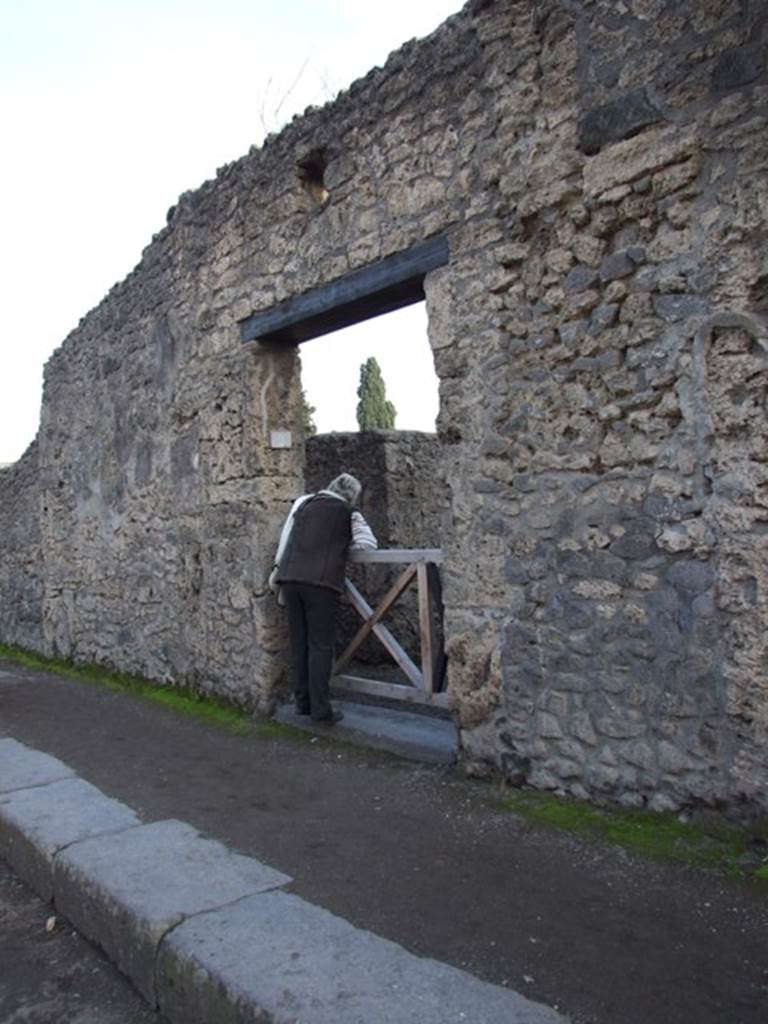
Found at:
<point>690,575</point>
<point>618,264</point>
<point>35,824</point>
<point>548,726</point>
<point>589,250</point>
<point>672,760</point>
<point>634,546</point>
<point>617,725</point>
<point>126,891</point>
<point>234,964</point>
<point>616,120</point>
<point>600,590</point>
<point>564,768</point>
<point>580,279</point>
<point>21,767</point>
<point>603,776</point>
<point>581,727</point>
<point>740,66</point>
<point>674,307</point>
<point>663,803</point>
<point>636,157</point>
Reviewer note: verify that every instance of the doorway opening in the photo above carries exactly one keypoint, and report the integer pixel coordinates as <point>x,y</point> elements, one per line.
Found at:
<point>403,499</point>
<point>386,649</point>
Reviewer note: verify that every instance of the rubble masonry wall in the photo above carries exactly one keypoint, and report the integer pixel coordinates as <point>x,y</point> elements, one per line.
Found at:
<point>599,172</point>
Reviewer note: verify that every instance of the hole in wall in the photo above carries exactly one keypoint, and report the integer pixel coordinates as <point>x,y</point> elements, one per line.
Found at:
<point>311,172</point>
<point>758,295</point>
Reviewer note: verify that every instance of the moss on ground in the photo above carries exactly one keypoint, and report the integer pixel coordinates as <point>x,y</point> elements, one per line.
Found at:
<point>180,699</point>
<point>724,847</point>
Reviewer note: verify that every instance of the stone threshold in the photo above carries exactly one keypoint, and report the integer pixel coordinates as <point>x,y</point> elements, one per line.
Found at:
<point>416,736</point>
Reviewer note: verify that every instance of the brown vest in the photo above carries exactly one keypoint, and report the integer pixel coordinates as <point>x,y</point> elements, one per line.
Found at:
<point>317,547</point>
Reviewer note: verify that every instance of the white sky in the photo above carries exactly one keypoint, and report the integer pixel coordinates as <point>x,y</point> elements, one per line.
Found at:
<point>109,109</point>
<point>399,343</point>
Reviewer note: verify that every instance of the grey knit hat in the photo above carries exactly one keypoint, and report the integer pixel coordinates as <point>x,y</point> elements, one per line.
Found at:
<point>347,487</point>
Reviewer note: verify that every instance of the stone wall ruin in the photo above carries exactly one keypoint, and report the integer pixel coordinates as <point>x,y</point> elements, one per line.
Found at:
<point>599,331</point>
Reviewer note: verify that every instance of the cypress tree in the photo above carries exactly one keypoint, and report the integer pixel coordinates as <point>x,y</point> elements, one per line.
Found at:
<point>374,411</point>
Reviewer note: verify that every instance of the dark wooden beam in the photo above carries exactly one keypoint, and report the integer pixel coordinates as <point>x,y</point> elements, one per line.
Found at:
<point>392,283</point>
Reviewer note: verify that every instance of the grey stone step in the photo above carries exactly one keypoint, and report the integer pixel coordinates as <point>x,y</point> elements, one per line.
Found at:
<point>415,736</point>
<point>21,767</point>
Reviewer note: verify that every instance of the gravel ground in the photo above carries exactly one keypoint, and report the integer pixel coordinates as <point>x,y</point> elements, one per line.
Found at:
<point>50,975</point>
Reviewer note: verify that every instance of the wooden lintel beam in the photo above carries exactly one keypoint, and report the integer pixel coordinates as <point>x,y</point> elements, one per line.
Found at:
<point>390,284</point>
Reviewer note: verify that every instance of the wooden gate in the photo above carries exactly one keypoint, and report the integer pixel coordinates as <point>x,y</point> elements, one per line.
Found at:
<point>424,680</point>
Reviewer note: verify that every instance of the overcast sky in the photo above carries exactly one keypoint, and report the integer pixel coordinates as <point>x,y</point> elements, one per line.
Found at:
<point>109,109</point>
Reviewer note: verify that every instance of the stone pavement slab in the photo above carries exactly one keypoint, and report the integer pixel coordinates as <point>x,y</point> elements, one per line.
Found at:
<point>126,891</point>
<point>37,823</point>
<point>277,958</point>
<point>21,767</point>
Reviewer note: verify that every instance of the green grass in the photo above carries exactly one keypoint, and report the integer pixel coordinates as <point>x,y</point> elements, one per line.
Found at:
<point>726,848</point>
<point>183,700</point>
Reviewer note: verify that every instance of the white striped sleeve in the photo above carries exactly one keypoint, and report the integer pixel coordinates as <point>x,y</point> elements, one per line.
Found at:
<point>362,535</point>
<point>288,526</point>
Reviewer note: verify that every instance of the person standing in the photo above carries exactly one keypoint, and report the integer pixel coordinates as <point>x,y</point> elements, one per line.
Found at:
<point>309,569</point>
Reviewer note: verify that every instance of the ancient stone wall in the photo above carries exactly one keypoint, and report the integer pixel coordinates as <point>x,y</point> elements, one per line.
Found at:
<point>611,657</point>
<point>618,603</point>
<point>21,566</point>
<point>599,173</point>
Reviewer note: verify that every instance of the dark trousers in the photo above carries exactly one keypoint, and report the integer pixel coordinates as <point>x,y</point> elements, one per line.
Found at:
<point>312,627</point>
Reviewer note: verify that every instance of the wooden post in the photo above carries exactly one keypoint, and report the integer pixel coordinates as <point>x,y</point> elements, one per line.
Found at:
<point>425,628</point>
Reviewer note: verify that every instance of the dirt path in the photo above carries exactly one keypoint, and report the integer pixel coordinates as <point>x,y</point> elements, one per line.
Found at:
<point>52,975</point>
<point>425,858</point>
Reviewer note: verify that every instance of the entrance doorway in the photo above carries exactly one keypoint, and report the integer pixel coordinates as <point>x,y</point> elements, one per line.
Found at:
<point>401,658</point>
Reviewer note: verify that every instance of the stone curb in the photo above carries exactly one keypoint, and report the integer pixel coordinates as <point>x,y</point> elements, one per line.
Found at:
<point>316,968</point>
<point>126,892</point>
<point>38,824</point>
<point>204,933</point>
<point>22,767</point>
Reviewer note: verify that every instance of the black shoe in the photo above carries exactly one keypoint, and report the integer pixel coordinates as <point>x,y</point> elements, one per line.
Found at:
<point>332,719</point>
